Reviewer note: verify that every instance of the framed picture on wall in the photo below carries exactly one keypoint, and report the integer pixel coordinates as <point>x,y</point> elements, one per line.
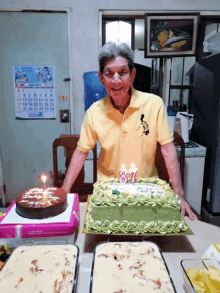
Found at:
<point>171,35</point>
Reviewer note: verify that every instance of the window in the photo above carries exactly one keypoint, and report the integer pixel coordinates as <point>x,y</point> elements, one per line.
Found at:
<point>118,31</point>
<point>208,27</point>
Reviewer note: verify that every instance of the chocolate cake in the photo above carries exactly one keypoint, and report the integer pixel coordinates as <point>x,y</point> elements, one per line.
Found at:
<point>41,203</point>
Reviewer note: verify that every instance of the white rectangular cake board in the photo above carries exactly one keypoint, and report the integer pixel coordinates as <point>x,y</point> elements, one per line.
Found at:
<point>13,218</point>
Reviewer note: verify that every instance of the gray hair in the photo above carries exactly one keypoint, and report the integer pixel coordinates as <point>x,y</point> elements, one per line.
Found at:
<point>111,51</point>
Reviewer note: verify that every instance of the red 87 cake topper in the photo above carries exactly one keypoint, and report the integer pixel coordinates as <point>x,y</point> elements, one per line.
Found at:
<point>123,174</point>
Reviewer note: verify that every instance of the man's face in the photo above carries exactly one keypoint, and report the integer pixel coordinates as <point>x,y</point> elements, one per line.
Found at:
<point>117,78</point>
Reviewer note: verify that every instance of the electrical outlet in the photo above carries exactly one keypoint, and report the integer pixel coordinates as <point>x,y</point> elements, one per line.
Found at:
<point>64,116</point>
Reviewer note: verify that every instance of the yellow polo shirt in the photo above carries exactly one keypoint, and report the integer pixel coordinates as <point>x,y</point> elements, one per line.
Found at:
<point>126,138</point>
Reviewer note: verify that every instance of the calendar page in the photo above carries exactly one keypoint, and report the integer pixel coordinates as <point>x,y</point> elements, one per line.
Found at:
<point>34,88</point>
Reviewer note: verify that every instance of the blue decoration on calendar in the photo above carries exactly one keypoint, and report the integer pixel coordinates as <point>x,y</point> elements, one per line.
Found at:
<point>34,75</point>
<point>43,74</point>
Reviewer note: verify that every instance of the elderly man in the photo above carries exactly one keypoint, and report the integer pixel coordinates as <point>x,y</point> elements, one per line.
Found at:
<point>127,124</point>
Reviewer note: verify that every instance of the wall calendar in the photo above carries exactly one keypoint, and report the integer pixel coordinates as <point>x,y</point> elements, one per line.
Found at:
<point>34,88</point>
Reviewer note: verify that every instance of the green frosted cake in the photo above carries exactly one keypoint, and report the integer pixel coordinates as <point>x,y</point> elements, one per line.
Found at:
<point>145,207</point>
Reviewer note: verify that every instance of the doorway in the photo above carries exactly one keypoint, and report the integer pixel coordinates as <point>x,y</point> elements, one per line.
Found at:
<point>31,38</point>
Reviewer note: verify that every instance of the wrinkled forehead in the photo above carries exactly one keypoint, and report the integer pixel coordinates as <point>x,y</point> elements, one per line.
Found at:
<point>116,63</point>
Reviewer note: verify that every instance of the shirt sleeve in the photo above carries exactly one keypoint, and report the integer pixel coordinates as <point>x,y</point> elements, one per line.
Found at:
<point>165,132</point>
<point>88,136</point>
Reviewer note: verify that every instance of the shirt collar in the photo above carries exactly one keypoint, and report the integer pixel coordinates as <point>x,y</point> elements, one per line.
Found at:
<point>134,103</point>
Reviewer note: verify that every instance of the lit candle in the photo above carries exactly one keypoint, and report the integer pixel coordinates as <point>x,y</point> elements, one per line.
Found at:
<point>133,171</point>
<point>44,179</point>
<point>123,174</point>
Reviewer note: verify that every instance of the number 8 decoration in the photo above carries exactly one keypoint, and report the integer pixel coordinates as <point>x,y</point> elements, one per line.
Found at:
<point>123,174</point>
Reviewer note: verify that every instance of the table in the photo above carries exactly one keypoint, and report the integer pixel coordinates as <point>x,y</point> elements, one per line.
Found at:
<point>174,248</point>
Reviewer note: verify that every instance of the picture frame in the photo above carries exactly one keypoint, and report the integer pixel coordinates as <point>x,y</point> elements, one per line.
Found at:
<point>171,34</point>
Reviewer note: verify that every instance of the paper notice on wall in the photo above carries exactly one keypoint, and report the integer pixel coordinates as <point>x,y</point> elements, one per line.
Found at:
<point>34,88</point>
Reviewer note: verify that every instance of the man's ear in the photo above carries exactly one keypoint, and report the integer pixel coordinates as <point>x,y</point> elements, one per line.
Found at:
<point>101,77</point>
<point>133,74</point>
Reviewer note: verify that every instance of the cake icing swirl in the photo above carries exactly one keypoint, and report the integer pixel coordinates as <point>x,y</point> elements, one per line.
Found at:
<point>147,191</point>
<point>116,209</point>
<point>115,226</point>
<point>126,227</point>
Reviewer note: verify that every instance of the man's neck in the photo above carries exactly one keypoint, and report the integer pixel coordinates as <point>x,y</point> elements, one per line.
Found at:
<point>122,105</point>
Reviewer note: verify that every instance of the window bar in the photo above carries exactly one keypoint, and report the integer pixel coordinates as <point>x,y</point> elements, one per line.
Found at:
<point>161,78</point>
<point>158,71</point>
<point>152,75</point>
<point>171,61</point>
<point>133,34</point>
<point>181,90</point>
<point>201,38</point>
<point>155,71</point>
<point>103,31</point>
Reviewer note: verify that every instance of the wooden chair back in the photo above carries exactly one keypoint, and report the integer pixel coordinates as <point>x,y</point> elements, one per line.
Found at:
<point>160,163</point>
<point>69,142</point>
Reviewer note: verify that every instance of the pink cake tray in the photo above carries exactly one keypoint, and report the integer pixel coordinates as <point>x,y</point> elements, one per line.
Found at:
<point>53,229</point>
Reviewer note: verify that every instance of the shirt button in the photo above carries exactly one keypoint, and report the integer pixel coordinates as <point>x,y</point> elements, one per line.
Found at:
<point>125,128</point>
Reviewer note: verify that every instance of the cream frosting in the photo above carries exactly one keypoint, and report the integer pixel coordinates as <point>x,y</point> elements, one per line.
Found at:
<point>46,269</point>
<point>158,212</point>
<point>126,267</point>
<point>39,194</point>
<point>148,191</point>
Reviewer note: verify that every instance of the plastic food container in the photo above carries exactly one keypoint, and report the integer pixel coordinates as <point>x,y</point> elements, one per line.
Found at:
<point>196,263</point>
<point>27,263</point>
<point>140,263</point>
<point>5,252</point>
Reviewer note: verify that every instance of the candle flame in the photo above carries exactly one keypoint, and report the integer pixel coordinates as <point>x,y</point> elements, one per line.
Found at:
<point>132,165</point>
<point>44,178</point>
<point>123,166</point>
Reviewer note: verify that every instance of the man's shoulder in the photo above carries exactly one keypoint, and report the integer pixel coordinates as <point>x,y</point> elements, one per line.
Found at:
<point>144,97</point>
<point>96,106</point>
